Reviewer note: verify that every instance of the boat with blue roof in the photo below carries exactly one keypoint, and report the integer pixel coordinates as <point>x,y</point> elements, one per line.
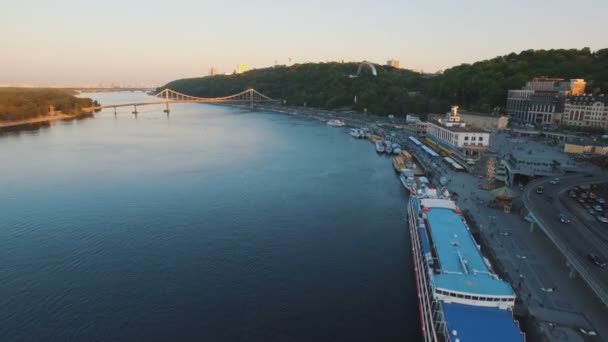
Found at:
<point>460,296</point>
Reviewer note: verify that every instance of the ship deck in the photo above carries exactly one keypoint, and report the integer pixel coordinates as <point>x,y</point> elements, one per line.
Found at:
<point>463,268</point>
<point>475,323</point>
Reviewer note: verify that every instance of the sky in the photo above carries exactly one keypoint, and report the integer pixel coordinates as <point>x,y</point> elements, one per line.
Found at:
<point>69,42</point>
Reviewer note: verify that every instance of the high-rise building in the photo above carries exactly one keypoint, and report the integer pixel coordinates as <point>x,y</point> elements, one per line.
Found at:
<point>541,100</point>
<point>212,71</point>
<point>241,68</point>
<point>393,62</point>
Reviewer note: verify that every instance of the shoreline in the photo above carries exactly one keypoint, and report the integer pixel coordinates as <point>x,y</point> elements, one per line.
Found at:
<point>38,119</point>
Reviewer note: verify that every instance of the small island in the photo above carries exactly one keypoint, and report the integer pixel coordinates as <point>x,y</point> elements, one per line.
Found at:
<point>19,106</point>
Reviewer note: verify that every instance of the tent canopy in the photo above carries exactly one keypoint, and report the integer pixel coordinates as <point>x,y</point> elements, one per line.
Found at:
<point>503,193</point>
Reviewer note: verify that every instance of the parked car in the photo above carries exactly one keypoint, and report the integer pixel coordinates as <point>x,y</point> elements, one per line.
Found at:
<point>601,201</point>
<point>572,193</point>
<point>595,259</point>
<point>540,190</point>
<point>591,211</point>
<point>602,219</point>
<point>563,218</point>
<point>581,200</point>
<point>598,207</point>
<point>587,206</point>
<point>554,181</point>
<point>591,195</point>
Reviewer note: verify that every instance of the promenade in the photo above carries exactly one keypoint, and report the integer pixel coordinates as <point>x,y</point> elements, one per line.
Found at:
<point>536,269</point>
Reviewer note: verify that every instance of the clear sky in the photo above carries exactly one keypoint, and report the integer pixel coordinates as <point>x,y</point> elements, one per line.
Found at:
<point>69,42</point>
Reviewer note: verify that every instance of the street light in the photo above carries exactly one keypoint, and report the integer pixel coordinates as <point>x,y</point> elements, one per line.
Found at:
<point>521,258</point>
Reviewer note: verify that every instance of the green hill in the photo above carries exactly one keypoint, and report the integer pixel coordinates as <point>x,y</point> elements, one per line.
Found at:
<point>479,86</point>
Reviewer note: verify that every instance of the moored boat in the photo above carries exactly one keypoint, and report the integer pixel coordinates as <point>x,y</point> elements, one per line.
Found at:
<point>379,147</point>
<point>336,123</point>
<point>460,297</point>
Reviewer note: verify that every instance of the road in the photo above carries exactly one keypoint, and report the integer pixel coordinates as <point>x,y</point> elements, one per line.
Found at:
<point>576,239</point>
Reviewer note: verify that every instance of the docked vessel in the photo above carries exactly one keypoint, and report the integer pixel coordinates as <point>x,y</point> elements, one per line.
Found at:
<point>388,147</point>
<point>379,147</point>
<point>335,123</point>
<point>355,133</point>
<point>460,297</point>
<point>408,180</point>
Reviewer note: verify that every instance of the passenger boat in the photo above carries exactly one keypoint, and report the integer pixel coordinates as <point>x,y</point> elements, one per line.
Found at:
<point>460,297</point>
<point>379,147</point>
<point>355,133</point>
<point>387,147</point>
<point>336,123</point>
<point>408,180</point>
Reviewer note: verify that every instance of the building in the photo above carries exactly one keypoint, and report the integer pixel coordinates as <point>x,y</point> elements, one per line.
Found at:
<point>212,71</point>
<point>412,118</point>
<point>541,100</point>
<point>586,146</point>
<point>393,62</point>
<point>480,120</point>
<point>528,164</point>
<point>586,111</point>
<point>241,68</point>
<point>454,135</point>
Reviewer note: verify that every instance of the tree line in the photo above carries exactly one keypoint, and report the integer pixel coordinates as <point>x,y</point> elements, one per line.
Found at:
<point>25,103</point>
<point>481,86</point>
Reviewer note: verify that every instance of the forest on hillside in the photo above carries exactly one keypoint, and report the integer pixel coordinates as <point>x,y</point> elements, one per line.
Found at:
<point>481,86</point>
<point>25,103</point>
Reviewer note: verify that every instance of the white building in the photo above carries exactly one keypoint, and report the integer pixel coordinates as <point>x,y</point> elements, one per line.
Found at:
<point>393,62</point>
<point>454,134</point>
<point>586,111</point>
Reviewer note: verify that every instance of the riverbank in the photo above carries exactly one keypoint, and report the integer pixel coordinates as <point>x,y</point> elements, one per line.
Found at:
<point>38,119</point>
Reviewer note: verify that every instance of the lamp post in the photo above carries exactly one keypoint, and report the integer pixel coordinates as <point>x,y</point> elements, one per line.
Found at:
<point>521,258</point>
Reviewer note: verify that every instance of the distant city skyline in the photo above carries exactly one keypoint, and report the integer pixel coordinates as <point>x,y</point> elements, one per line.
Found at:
<point>149,43</point>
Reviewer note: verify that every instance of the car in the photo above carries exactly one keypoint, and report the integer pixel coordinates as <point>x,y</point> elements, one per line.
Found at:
<point>598,207</point>
<point>554,181</point>
<point>602,219</point>
<point>595,259</point>
<point>540,190</point>
<point>601,201</point>
<point>588,175</point>
<point>572,194</point>
<point>587,206</point>
<point>584,195</point>
<point>592,195</point>
<point>591,211</point>
<point>581,200</point>
<point>563,218</point>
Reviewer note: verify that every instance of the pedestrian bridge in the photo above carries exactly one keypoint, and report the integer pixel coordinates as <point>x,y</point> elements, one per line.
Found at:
<point>168,96</point>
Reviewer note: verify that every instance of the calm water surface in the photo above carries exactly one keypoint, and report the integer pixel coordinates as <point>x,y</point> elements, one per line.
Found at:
<point>216,224</point>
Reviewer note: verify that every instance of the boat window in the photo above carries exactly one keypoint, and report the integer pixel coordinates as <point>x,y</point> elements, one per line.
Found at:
<point>475,298</point>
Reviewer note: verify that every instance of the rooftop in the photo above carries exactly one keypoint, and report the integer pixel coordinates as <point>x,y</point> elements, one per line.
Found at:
<point>464,268</point>
<point>459,129</point>
<point>469,323</point>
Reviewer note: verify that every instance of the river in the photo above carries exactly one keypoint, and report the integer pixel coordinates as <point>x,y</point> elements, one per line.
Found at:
<point>215,224</point>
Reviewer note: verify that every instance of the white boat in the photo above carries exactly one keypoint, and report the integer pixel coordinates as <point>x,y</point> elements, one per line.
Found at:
<point>396,148</point>
<point>336,123</point>
<point>388,148</point>
<point>408,180</point>
<point>355,133</point>
<point>379,147</point>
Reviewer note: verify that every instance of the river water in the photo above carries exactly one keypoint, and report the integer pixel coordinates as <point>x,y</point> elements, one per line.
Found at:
<point>216,224</point>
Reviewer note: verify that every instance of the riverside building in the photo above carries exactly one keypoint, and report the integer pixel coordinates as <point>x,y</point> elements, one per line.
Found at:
<point>541,100</point>
<point>452,134</point>
<point>586,111</point>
